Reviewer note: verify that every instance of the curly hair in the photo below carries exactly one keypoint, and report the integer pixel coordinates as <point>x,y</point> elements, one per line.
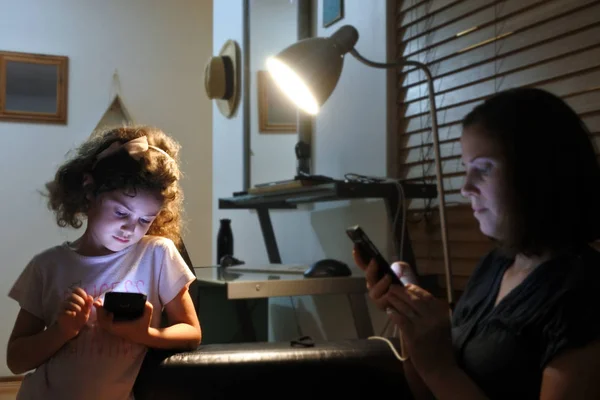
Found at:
<point>552,173</point>
<point>154,171</point>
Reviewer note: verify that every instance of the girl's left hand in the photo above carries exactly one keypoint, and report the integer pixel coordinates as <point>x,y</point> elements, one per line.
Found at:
<point>425,324</point>
<point>135,331</point>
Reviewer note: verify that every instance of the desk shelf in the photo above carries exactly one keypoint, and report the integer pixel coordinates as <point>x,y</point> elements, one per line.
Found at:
<point>329,191</point>
<point>333,191</point>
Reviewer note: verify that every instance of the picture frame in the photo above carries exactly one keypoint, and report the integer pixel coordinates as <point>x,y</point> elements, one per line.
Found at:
<point>333,11</point>
<point>33,87</point>
<point>276,113</point>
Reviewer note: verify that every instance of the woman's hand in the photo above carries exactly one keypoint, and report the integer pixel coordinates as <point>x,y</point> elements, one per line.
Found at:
<point>378,288</point>
<point>425,325</point>
<point>137,331</point>
<point>423,319</point>
<point>74,313</point>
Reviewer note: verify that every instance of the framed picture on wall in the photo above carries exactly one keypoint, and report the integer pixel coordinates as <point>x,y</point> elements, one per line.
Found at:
<point>276,113</point>
<point>33,87</point>
<point>333,11</point>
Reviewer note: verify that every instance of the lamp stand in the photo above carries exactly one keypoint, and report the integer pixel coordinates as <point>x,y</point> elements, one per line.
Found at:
<point>438,164</point>
<point>302,150</point>
<point>304,120</point>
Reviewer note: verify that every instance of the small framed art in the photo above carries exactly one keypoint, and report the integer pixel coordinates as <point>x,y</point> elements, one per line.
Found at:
<point>276,113</point>
<point>333,11</point>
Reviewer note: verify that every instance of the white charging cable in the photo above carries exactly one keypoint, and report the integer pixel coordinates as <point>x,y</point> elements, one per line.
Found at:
<point>396,333</point>
<point>391,345</point>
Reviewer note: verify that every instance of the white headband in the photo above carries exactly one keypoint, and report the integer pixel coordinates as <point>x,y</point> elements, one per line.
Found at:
<point>136,148</point>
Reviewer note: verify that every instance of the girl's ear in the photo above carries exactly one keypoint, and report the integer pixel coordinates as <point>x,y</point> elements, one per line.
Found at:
<point>88,184</point>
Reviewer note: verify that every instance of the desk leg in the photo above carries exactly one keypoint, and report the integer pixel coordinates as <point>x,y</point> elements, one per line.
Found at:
<point>224,320</point>
<point>244,313</point>
<point>360,312</point>
<point>268,235</point>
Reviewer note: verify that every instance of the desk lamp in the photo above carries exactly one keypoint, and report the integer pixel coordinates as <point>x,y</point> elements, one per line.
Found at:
<point>307,73</point>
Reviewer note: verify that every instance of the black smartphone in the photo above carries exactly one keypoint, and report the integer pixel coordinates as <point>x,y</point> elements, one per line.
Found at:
<point>125,306</point>
<point>368,251</point>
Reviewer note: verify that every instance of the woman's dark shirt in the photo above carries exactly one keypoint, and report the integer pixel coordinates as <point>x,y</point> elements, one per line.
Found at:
<point>505,348</point>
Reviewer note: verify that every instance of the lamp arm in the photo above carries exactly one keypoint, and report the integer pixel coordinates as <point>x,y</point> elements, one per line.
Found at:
<point>438,164</point>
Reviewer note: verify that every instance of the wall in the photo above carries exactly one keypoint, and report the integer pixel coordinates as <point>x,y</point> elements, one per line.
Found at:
<point>273,27</point>
<point>349,137</point>
<point>159,50</point>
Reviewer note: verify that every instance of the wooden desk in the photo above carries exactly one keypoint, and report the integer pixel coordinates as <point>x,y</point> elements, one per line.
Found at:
<point>250,285</point>
<point>262,286</point>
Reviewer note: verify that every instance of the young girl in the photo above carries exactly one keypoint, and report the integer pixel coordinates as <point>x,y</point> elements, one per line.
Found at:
<point>125,182</point>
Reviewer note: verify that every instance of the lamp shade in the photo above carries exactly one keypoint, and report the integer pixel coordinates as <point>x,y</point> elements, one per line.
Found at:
<point>308,71</point>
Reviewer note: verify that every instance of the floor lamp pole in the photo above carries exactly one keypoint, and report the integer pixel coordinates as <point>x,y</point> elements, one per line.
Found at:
<point>438,163</point>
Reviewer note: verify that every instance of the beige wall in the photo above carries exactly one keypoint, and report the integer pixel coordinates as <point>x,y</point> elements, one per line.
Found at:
<point>159,50</point>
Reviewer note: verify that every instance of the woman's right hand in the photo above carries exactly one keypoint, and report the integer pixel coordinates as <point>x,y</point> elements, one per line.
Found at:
<point>75,312</point>
<point>378,288</point>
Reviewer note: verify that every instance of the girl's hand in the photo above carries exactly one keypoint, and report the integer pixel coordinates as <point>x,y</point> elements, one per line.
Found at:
<point>135,331</point>
<point>74,313</point>
<point>425,324</point>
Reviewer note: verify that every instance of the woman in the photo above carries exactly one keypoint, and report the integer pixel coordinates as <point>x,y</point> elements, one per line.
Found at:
<point>528,323</point>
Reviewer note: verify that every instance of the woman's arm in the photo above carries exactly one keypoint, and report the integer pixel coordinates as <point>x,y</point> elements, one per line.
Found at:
<point>423,320</point>
<point>452,383</point>
<point>419,390</point>
<point>574,374</point>
<point>30,345</point>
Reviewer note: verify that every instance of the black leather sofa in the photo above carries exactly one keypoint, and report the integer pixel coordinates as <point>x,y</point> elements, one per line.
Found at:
<point>344,369</point>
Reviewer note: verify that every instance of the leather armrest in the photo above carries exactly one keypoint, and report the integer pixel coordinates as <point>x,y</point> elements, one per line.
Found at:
<point>350,368</point>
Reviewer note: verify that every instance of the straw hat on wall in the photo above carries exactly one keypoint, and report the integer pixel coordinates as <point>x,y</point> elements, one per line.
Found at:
<point>222,78</point>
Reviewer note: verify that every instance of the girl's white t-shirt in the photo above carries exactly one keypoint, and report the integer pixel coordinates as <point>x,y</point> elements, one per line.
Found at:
<point>96,364</point>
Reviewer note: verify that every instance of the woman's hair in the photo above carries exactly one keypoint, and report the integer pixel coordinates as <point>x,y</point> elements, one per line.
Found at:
<point>153,171</point>
<point>552,174</point>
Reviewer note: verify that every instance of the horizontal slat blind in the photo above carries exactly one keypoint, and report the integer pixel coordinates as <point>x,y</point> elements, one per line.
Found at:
<point>475,48</point>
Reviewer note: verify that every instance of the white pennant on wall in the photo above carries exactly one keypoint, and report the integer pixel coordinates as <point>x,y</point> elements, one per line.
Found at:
<point>116,114</point>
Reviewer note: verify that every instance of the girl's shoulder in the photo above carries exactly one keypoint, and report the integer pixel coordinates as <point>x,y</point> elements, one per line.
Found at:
<point>157,242</point>
<point>157,245</point>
